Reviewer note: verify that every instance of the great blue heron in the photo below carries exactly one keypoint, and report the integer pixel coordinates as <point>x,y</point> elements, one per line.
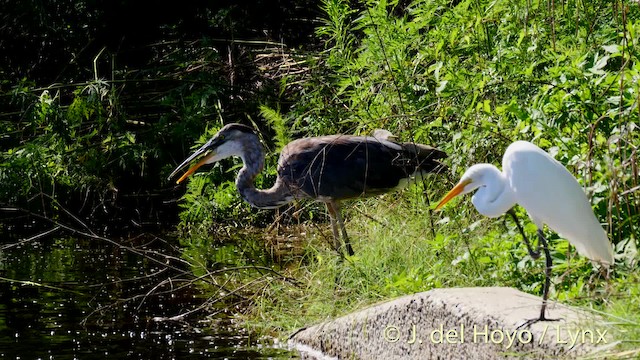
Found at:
<point>549,193</point>
<point>325,168</point>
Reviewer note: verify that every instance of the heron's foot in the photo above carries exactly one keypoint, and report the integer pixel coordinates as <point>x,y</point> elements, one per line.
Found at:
<point>530,322</point>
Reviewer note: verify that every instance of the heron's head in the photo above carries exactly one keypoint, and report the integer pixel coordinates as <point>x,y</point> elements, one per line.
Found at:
<point>473,178</point>
<point>229,141</point>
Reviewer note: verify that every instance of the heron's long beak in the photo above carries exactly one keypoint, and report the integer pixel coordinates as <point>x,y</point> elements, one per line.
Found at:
<point>206,147</point>
<point>195,167</point>
<point>453,193</point>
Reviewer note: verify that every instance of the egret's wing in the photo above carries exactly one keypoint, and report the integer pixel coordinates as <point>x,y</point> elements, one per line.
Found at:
<point>552,195</point>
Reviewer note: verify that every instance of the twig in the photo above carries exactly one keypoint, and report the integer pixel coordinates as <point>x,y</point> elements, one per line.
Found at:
<point>33,238</point>
<point>629,191</point>
<point>31,283</point>
<point>92,235</point>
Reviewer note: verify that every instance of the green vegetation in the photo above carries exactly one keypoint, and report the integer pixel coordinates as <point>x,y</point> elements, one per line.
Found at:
<point>468,76</point>
<point>100,102</point>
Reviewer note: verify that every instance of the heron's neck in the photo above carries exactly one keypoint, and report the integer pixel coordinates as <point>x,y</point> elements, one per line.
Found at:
<point>253,161</point>
<point>494,196</point>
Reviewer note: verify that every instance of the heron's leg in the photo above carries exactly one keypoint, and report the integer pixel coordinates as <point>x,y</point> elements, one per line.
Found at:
<point>336,215</point>
<point>334,226</point>
<point>533,253</point>
<point>345,237</point>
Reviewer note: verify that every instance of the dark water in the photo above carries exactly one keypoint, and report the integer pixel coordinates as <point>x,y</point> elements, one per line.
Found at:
<point>75,298</point>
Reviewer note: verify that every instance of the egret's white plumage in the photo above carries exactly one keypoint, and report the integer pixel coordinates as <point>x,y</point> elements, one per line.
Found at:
<point>550,194</point>
<point>545,188</point>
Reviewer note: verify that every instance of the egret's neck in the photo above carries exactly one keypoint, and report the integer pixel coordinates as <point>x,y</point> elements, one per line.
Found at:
<point>252,155</point>
<point>494,195</point>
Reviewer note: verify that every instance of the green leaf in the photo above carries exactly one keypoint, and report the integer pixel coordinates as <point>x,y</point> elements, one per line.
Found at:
<point>612,49</point>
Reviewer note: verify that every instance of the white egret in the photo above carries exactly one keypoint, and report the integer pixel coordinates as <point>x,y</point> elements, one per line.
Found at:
<point>550,194</point>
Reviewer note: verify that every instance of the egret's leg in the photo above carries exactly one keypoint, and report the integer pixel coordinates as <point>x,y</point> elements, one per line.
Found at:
<point>533,253</point>
<point>547,282</point>
<point>547,275</point>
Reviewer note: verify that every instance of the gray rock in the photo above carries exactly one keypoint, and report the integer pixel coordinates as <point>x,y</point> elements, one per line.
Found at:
<point>457,323</point>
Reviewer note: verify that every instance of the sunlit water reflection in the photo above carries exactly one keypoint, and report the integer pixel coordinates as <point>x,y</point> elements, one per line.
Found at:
<point>66,301</point>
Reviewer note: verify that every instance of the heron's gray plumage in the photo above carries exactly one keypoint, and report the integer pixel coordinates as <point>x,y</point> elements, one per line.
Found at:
<point>344,166</point>
<point>325,168</point>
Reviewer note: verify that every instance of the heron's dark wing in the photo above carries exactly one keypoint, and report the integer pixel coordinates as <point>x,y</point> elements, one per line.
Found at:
<point>342,166</point>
